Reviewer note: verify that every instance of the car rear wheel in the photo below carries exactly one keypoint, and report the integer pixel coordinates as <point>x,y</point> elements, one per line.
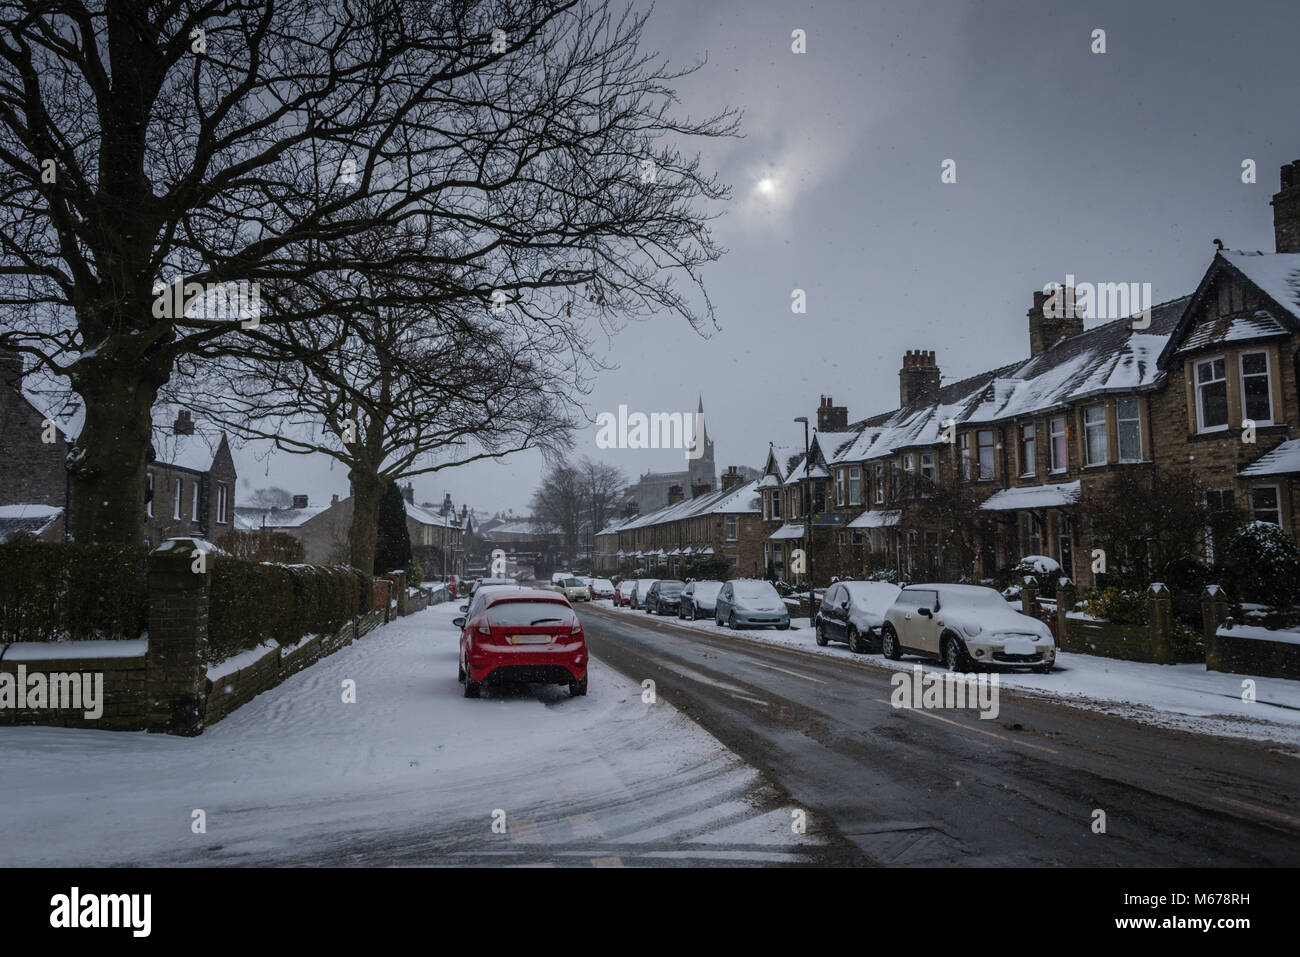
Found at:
<point>821,635</point>
<point>889,642</point>
<point>731,621</point>
<point>955,656</point>
<point>473,689</point>
<point>693,613</point>
<point>577,688</point>
<point>855,641</point>
<point>460,672</point>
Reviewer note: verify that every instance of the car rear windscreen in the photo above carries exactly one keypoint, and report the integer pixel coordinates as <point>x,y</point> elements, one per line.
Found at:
<point>513,614</point>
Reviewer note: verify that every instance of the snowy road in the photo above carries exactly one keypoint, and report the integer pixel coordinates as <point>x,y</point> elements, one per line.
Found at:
<point>949,788</point>
<point>410,774</point>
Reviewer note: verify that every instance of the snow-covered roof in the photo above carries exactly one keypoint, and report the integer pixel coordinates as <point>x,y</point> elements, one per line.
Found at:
<point>1033,496</point>
<point>1283,460</point>
<point>878,518</point>
<point>249,518</point>
<point>740,500</point>
<point>1276,274</point>
<point>27,518</point>
<point>1226,329</point>
<point>427,516</point>
<point>789,530</point>
<point>194,452</point>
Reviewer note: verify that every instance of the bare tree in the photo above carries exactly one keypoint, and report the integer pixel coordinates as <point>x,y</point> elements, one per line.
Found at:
<point>578,500</point>
<point>211,142</point>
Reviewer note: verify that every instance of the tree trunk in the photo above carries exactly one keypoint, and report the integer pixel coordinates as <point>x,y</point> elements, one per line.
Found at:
<point>364,533</point>
<point>107,464</point>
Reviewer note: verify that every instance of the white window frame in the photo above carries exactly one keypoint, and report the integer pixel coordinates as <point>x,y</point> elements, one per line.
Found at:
<point>928,470</point>
<point>178,497</point>
<point>223,496</point>
<point>1268,379</point>
<point>194,501</point>
<point>1088,460</point>
<point>1053,467</point>
<point>732,528</point>
<point>992,446</point>
<point>839,486</point>
<point>1197,385</point>
<point>1119,428</point>
<point>1277,498</point>
<point>855,485</point>
<point>148,505</point>
<point>880,484</point>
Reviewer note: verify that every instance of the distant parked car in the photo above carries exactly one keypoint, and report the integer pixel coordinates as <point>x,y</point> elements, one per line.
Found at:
<point>639,590</point>
<point>746,602</point>
<point>575,589</point>
<point>853,612</point>
<point>602,588</point>
<point>967,626</point>
<point>557,578</point>
<point>623,592</point>
<point>522,634</point>
<point>699,599</point>
<point>663,596</point>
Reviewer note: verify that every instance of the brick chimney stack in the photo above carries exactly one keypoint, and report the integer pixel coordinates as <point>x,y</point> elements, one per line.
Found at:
<point>1286,210</point>
<point>675,494</point>
<point>700,487</point>
<point>1052,319</point>
<point>184,425</point>
<point>731,478</point>
<point>919,376</point>
<point>832,417</point>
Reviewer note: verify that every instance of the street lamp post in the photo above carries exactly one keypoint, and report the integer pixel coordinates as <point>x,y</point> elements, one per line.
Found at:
<point>807,517</point>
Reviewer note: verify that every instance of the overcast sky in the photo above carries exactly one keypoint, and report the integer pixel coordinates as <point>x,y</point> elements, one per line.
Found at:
<point>1114,167</point>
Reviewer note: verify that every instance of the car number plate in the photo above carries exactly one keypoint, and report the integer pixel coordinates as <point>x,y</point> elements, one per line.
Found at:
<point>530,639</point>
<point>1019,646</point>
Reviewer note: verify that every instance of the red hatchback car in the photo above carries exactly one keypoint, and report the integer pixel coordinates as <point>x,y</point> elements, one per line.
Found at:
<point>522,634</point>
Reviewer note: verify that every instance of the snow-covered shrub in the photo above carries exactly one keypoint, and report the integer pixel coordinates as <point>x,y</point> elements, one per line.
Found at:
<point>1123,606</point>
<point>1263,562</point>
<point>883,575</point>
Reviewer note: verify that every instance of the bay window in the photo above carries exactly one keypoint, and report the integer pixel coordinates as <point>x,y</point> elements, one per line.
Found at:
<point>855,486</point>
<point>1256,390</point>
<point>1027,466</point>
<point>1265,504</point>
<point>1057,445</point>
<point>1094,435</point>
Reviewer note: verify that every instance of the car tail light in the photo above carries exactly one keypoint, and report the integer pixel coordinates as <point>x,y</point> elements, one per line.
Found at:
<point>484,628</point>
<point>576,629</point>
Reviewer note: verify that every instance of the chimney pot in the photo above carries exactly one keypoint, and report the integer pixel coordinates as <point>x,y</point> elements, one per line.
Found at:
<point>334,499</point>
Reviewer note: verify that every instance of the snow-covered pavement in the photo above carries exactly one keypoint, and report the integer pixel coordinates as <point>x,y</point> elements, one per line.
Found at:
<point>412,773</point>
<point>1185,697</point>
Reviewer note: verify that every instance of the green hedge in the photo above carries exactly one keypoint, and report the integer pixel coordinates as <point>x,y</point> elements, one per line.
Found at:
<point>255,602</point>
<point>57,591</point>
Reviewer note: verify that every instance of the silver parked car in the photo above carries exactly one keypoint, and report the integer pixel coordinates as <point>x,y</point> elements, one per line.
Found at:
<point>967,626</point>
<point>750,602</point>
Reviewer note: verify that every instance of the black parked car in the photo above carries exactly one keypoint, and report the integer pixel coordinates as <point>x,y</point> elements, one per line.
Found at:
<point>663,596</point>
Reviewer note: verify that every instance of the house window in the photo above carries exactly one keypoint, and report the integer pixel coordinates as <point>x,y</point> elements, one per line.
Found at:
<point>194,501</point>
<point>1211,395</point>
<point>880,485</point>
<point>839,486</point>
<point>1027,466</point>
<point>855,486</point>
<point>893,480</point>
<point>963,442</point>
<point>1128,423</point>
<point>909,462</point>
<point>1059,447</point>
<point>776,504</point>
<point>731,528</point>
<point>222,495</point>
<point>927,465</point>
<point>1094,435</point>
<point>1066,555</point>
<point>1264,505</point>
<point>1256,392</point>
<point>148,501</point>
<point>985,439</point>
<point>819,495</point>
<point>178,495</point>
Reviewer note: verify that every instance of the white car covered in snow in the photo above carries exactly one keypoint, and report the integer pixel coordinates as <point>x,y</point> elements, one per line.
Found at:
<point>967,626</point>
